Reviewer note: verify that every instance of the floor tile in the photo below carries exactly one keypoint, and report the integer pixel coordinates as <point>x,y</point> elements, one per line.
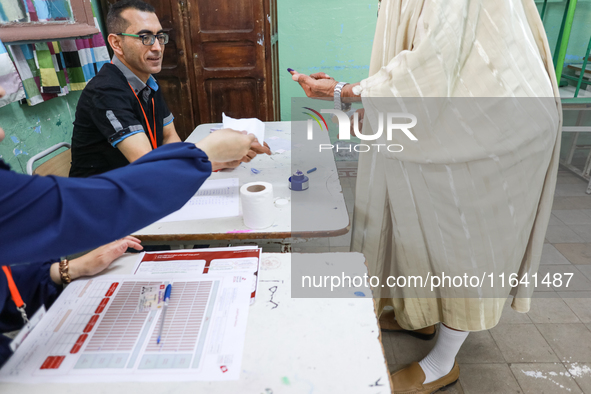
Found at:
<point>479,348</point>
<point>573,216</point>
<point>551,310</point>
<point>310,242</point>
<point>582,230</point>
<point>488,379</point>
<point>554,221</point>
<point>568,177</point>
<point>570,189</point>
<point>349,194</point>
<point>342,240</point>
<point>522,343</point>
<point>579,302</point>
<point>511,316</point>
<point>562,234</point>
<point>350,206</point>
<point>408,349</point>
<point>581,372</point>
<point>578,253</point>
<point>582,202</point>
<point>340,249</point>
<point>310,249</point>
<point>551,255</point>
<point>585,270</point>
<point>570,342</point>
<point>544,378</point>
<point>455,389</point>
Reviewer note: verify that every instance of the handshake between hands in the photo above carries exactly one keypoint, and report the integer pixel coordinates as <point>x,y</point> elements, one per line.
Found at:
<point>227,148</point>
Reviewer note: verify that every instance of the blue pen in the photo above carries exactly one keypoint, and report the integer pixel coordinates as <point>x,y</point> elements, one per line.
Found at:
<point>311,170</point>
<point>164,308</point>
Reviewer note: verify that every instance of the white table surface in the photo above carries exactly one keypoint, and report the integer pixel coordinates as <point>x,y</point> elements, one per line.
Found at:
<point>323,203</point>
<point>321,345</point>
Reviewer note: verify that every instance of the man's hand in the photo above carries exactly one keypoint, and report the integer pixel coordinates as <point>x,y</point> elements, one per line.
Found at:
<point>315,85</point>
<point>227,145</point>
<point>321,85</point>
<point>97,260</point>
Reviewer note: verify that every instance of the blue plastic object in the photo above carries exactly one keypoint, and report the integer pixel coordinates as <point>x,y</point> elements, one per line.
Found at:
<point>298,181</point>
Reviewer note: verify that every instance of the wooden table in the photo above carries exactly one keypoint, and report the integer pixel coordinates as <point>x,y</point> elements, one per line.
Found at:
<point>293,345</point>
<point>319,211</point>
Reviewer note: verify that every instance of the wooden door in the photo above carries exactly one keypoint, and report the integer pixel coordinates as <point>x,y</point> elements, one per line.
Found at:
<point>234,47</point>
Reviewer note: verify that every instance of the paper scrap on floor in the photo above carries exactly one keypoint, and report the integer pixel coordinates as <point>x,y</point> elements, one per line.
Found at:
<point>250,125</point>
<point>216,198</point>
<point>97,332</point>
<point>218,261</point>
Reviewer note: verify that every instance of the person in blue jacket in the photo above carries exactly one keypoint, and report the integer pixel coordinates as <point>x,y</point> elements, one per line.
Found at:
<point>43,218</point>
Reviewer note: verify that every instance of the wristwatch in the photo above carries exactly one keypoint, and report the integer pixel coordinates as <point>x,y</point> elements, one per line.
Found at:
<point>63,268</point>
<point>338,104</point>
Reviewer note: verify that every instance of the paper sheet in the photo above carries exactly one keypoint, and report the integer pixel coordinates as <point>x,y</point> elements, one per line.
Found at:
<point>250,125</point>
<point>219,261</point>
<point>94,332</point>
<point>216,198</point>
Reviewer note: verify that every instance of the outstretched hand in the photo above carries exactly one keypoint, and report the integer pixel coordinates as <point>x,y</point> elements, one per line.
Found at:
<point>319,85</point>
<point>215,166</point>
<point>227,145</point>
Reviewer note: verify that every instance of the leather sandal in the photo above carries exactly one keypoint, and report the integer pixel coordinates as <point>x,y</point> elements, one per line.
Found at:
<point>410,380</point>
<point>389,324</point>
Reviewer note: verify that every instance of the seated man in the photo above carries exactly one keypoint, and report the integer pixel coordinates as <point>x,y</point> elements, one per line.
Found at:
<point>121,114</point>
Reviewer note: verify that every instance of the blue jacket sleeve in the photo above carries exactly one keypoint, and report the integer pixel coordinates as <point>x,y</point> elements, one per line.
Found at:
<point>42,217</point>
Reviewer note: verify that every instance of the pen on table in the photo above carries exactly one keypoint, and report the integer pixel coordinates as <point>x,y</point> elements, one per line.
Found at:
<point>164,308</point>
<point>311,170</point>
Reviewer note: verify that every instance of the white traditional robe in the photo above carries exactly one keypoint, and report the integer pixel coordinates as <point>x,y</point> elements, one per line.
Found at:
<point>459,202</point>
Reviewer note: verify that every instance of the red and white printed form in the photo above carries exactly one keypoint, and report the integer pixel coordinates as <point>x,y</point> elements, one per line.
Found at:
<point>218,261</point>
<point>105,329</point>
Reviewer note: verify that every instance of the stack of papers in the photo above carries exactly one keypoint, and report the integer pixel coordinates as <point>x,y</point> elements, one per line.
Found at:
<point>216,198</point>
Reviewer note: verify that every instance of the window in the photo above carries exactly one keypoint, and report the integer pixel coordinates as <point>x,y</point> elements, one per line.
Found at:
<point>45,20</point>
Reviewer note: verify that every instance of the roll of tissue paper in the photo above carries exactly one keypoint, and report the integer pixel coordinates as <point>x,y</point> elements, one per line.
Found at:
<point>258,210</point>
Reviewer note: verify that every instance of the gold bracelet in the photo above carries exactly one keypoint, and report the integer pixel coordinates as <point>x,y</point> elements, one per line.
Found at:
<point>64,275</point>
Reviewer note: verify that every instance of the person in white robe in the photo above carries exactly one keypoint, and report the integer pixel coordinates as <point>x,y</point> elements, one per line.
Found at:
<point>471,200</point>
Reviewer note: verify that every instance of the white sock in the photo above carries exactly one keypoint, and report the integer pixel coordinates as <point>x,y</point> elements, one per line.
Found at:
<point>441,358</point>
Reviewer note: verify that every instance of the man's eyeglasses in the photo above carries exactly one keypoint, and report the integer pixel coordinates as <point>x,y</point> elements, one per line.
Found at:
<point>149,39</point>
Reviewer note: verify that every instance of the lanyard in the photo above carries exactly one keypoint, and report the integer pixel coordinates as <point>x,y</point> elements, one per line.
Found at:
<point>152,135</point>
<point>16,296</point>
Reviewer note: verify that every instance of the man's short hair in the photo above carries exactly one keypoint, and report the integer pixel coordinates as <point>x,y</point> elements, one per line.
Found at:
<point>115,22</point>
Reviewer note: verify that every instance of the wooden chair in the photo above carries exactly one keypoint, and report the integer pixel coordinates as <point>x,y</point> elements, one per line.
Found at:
<point>58,165</point>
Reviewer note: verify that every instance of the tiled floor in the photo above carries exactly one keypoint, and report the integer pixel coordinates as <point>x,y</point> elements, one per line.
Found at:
<point>547,350</point>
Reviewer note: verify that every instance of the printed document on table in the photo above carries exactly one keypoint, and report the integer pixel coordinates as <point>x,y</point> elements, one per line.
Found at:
<point>218,261</point>
<point>216,198</point>
<point>105,329</point>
